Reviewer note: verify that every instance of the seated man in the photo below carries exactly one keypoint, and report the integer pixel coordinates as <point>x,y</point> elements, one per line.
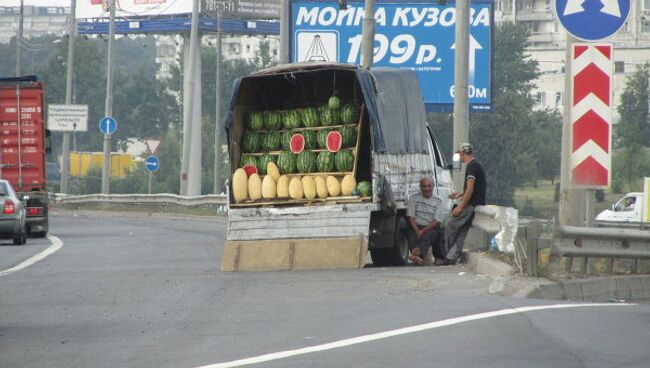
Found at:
<point>424,214</point>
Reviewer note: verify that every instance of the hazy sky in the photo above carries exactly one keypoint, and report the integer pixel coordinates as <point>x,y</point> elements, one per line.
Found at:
<point>36,2</point>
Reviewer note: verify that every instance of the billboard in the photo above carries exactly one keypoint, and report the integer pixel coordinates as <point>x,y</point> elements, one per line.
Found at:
<point>246,9</point>
<point>408,34</point>
<point>131,8</point>
<point>251,9</point>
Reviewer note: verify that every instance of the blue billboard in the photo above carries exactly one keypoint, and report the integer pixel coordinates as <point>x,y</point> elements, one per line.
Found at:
<point>408,34</point>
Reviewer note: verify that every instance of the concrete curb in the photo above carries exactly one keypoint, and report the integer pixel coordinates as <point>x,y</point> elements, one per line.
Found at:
<point>602,289</point>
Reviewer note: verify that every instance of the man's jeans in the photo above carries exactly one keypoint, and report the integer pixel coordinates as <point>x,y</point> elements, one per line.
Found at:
<point>432,238</point>
<point>456,232</point>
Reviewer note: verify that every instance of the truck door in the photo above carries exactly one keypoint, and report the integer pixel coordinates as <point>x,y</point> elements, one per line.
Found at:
<point>627,209</point>
<point>442,176</point>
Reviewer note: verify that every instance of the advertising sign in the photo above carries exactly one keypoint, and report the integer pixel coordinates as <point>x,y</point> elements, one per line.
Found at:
<point>132,8</point>
<point>251,9</point>
<point>410,35</point>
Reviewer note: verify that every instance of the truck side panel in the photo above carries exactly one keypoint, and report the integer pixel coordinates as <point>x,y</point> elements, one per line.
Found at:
<point>22,151</point>
<point>329,221</point>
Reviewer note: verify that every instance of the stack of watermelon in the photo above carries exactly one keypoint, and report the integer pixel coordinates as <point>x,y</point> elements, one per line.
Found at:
<point>296,133</point>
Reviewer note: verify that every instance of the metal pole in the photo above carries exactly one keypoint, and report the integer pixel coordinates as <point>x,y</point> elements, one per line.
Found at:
<point>188,105</point>
<point>19,38</point>
<point>283,58</point>
<point>65,150</point>
<point>150,180</point>
<point>368,35</point>
<point>196,140</point>
<point>461,70</point>
<point>218,180</point>
<point>106,168</point>
<point>569,211</point>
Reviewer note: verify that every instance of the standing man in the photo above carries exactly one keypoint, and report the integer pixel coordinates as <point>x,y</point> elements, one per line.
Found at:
<point>461,216</point>
<point>424,213</point>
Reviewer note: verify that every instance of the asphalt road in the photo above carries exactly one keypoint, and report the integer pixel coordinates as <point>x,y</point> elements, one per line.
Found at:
<point>125,291</point>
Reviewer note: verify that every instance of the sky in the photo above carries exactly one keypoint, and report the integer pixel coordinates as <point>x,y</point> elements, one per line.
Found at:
<point>36,2</point>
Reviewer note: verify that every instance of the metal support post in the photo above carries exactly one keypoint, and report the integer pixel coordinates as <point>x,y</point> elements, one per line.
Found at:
<point>532,247</point>
<point>218,179</point>
<point>108,111</point>
<point>283,58</point>
<point>461,68</point>
<point>150,182</point>
<point>19,39</point>
<point>65,150</point>
<point>368,35</point>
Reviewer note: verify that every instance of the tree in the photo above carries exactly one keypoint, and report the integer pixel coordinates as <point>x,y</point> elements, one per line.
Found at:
<point>633,129</point>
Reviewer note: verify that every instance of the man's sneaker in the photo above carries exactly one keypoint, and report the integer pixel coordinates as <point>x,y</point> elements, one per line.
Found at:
<point>445,262</point>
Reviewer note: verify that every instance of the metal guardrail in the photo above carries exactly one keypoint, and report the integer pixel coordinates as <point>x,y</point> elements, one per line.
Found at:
<point>611,243</point>
<point>218,200</point>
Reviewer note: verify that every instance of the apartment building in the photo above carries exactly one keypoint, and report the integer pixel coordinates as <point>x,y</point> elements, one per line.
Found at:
<point>37,21</point>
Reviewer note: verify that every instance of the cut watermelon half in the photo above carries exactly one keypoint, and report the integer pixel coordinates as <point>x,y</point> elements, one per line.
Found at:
<point>334,141</point>
<point>250,170</point>
<point>297,143</point>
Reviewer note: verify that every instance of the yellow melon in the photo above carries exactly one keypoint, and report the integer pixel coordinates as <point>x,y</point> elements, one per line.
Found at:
<point>283,187</point>
<point>333,186</point>
<point>268,187</point>
<point>255,187</point>
<point>272,170</point>
<point>347,185</point>
<point>295,188</point>
<point>309,187</point>
<point>321,187</point>
<point>239,185</point>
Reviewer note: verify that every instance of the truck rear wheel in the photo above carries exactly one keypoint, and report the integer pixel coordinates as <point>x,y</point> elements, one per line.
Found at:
<point>398,254</point>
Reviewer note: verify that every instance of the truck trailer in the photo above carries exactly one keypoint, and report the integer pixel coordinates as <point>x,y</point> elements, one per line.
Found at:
<point>24,142</point>
<point>387,148</point>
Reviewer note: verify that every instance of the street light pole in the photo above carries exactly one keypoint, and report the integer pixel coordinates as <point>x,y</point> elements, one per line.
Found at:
<point>368,35</point>
<point>461,70</point>
<point>65,151</point>
<point>108,111</point>
<point>284,32</point>
<point>19,38</point>
<point>218,180</point>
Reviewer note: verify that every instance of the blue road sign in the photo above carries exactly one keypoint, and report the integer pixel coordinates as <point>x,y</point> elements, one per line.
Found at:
<point>152,163</point>
<point>410,34</point>
<point>592,20</point>
<point>108,125</point>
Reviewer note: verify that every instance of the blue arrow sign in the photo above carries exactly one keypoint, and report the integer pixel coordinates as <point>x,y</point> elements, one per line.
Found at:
<point>108,125</point>
<point>592,20</point>
<point>152,163</point>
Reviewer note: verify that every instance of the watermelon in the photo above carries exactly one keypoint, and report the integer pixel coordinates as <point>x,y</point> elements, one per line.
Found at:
<point>247,160</point>
<point>263,160</point>
<point>325,162</point>
<point>344,161</point>
<point>255,120</point>
<point>334,141</point>
<point>297,143</point>
<point>287,162</point>
<point>333,103</point>
<point>250,170</point>
<point>326,116</point>
<point>348,136</point>
<point>272,120</point>
<point>321,138</point>
<point>364,188</point>
<point>310,117</point>
<point>310,139</point>
<point>349,114</point>
<point>272,141</point>
<point>306,162</point>
<point>286,140</point>
<point>252,142</point>
<point>291,119</point>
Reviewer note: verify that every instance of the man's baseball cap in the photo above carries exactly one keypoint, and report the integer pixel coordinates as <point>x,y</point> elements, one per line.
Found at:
<point>466,148</point>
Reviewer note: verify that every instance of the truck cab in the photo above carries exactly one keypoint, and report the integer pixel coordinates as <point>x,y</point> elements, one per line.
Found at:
<point>628,209</point>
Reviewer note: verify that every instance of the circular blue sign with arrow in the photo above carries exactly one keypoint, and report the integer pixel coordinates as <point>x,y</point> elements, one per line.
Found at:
<point>152,163</point>
<point>592,20</point>
<point>108,125</point>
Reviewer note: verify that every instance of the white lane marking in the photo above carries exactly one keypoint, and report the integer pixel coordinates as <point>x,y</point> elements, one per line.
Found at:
<point>56,245</point>
<point>399,331</point>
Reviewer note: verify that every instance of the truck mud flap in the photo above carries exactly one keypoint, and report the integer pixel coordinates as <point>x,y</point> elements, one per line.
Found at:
<point>294,254</point>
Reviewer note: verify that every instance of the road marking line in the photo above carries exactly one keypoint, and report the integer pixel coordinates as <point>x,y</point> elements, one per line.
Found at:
<point>399,331</point>
<point>56,245</point>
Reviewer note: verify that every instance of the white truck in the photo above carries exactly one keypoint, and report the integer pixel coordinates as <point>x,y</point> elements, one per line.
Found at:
<point>630,210</point>
<point>394,149</point>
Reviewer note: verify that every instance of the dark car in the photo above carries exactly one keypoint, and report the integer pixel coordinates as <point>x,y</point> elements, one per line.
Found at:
<point>12,215</point>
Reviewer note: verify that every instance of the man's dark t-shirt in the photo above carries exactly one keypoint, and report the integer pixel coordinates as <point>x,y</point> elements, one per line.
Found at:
<point>475,171</point>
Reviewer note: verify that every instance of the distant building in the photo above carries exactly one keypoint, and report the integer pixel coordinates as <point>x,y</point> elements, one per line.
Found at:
<point>37,21</point>
<point>548,40</point>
